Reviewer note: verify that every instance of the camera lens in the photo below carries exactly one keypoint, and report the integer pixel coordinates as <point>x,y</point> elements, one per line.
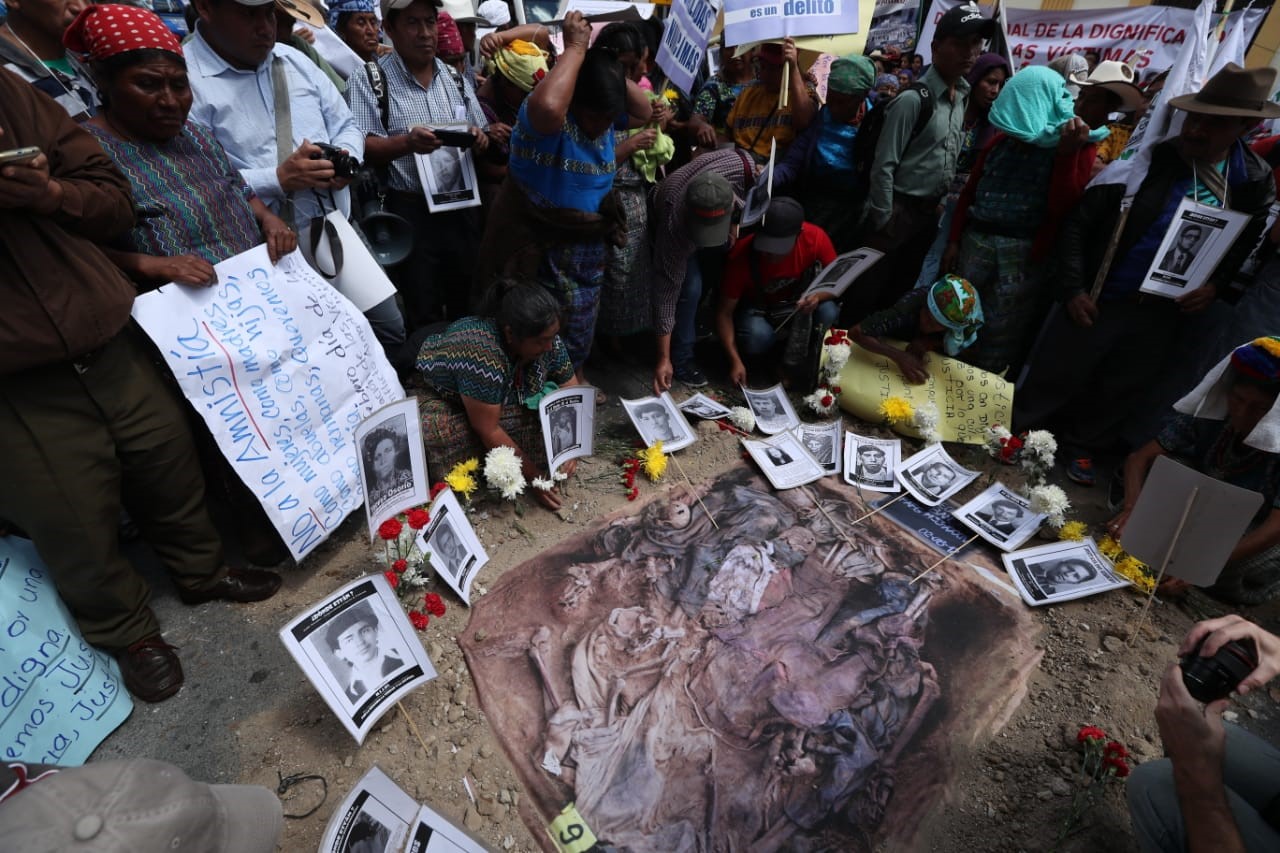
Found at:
<point>1213,678</point>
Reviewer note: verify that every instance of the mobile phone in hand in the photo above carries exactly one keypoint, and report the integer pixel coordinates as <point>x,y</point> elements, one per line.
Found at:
<point>18,155</point>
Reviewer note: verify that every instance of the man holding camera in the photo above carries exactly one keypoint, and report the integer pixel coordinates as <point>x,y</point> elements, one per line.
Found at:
<point>282,123</point>
<point>1219,787</point>
<point>422,96</point>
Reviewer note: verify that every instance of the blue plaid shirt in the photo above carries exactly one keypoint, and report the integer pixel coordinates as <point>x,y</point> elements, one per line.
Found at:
<point>450,99</point>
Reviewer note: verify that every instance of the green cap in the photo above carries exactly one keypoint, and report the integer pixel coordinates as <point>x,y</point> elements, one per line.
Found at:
<point>851,75</point>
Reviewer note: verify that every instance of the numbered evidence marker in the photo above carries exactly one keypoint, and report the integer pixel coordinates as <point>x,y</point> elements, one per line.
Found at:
<point>378,811</point>
<point>393,465</point>
<point>359,651</point>
<point>570,832</point>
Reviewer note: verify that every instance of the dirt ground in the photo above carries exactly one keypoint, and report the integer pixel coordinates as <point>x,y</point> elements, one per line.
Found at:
<point>1012,793</point>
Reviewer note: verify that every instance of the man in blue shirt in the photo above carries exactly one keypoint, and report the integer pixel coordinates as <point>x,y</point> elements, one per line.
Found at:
<point>236,67</point>
<point>423,93</point>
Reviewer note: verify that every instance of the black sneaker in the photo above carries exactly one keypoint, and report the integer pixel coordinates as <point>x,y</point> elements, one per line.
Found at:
<point>1115,491</point>
<point>690,375</point>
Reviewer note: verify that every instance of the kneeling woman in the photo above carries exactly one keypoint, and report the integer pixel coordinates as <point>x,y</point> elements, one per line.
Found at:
<point>485,376</point>
<point>944,317</point>
<point>1229,429</point>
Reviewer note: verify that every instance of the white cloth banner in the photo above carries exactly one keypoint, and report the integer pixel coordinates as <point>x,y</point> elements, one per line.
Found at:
<point>1147,37</point>
<point>893,24</point>
<point>684,41</point>
<point>282,368</point>
<point>747,21</point>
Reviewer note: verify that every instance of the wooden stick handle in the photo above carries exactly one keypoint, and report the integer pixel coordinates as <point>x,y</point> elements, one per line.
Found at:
<point>693,489</point>
<point>412,727</point>
<point>1164,564</point>
<point>879,508</point>
<point>946,556</point>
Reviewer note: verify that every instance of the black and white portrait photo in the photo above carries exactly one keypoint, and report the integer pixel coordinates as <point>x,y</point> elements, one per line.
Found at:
<point>448,177</point>
<point>843,271</point>
<point>564,430</point>
<point>360,663</point>
<point>1061,571</point>
<point>872,465</point>
<point>932,476</point>
<point>702,406</point>
<point>367,835</point>
<point>384,452</point>
<point>772,410</point>
<point>869,463</point>
<point>777,456</point>
<point>446,545</point>
<point>658,419</point>
<point>393,464</point>
<point>1001,516</point>
<point>1182,253</point>
<point>819,448</point>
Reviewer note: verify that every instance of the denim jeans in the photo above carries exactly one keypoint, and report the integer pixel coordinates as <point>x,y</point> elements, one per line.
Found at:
<point>684,334</point>
<point>755,334</point>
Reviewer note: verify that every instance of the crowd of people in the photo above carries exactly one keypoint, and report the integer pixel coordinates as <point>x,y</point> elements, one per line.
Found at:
<point>610,223</point>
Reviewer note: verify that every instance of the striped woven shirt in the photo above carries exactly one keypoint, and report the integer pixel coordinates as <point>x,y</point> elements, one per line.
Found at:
<point>469,360</point>
<point>187,197</point>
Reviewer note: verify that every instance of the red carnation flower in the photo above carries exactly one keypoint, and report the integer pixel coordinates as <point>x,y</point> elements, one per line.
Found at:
<point>419,620</point>
<point>1090,733</point>
<point>437,489</point>
<point>835,389</point>
<point>399,566</point>
<point>1117,765</point>
<point>827,400</point>
<point>1115,749</point>
<point>434,604</point>
<point>390,529</point>
<point>392,578</point>
<point>633,494</point>
<point>418,518</point>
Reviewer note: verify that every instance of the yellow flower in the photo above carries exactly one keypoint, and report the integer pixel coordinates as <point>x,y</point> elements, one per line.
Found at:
<point>1137,572</point>
<point>896,410</point>
<point>655,461</point>
<point>461,478</point>
<point>671,95</point>
<point>1110,548</point>
<point>1073,531</point>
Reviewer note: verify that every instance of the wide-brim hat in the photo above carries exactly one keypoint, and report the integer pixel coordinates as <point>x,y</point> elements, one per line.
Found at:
<point>1113,76</point>
<point>1234,91</point>
<point>301,10</point>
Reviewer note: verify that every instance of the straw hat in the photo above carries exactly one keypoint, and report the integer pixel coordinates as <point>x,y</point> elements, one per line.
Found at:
<point>1116,77</point>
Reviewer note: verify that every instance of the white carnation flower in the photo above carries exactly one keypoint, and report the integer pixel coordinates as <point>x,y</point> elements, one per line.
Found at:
<point>1050,501</point>
<point>742,418</point>
<point>502,472</point>
<point>543,484</point>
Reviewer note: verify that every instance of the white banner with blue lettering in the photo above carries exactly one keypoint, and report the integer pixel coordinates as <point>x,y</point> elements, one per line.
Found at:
<point>684,41</point>
<point>59,696</point>
<point>747,21</point>
<point>282,368</point>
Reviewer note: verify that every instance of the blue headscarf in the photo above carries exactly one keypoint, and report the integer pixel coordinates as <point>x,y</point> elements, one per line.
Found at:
<point>1034,105</point>
<point>338,7</point>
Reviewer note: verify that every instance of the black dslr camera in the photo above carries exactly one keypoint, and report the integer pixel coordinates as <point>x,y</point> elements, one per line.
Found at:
<point>344,165</point>
<point>1211,679</point>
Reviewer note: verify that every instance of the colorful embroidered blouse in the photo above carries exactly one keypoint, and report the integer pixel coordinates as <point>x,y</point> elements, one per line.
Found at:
<point>469,359</point>
<point>564,169</point>
<point>187,198</point>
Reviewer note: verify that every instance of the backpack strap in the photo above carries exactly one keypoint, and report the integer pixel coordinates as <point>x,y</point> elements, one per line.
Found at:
<point>927,103</point>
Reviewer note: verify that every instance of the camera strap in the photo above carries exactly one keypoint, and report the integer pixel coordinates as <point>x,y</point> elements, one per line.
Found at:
<point>284,130</point>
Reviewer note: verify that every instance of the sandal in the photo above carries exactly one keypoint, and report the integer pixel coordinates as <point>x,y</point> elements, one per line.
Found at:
<point>1080,470</point>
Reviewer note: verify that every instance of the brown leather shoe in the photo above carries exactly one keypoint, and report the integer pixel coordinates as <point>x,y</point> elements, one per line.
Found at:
<point>241,585</point>
<point>150,668</point>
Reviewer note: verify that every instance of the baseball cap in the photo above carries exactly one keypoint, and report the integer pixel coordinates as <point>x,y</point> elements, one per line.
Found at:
<point>139,804</point>
<point>708,210</point>
<point>392,5</point>
<point>963,21</point>
<point>494,13</point>
<point>781,227</point>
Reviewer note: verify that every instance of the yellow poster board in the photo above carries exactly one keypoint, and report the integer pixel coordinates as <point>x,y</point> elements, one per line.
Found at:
<point>968,399</point>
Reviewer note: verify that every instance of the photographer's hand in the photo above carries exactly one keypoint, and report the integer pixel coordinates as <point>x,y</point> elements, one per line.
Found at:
<point>1218,632</point>
<point>301,172</point>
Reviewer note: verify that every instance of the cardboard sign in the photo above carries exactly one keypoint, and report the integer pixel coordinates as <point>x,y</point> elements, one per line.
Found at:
<point>1219,517</point>
<point>282,368</point>
<point>59,696</point>
<point>748,21</point>
<point>684,41</point>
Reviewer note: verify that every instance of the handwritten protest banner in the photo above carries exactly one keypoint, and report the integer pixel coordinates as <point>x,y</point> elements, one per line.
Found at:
<point>1146,37</point>
<point>968,399</point>
<point>747,21</point>
<point>684,41</point>
<point>59,696</point>
<point>282,368</point>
